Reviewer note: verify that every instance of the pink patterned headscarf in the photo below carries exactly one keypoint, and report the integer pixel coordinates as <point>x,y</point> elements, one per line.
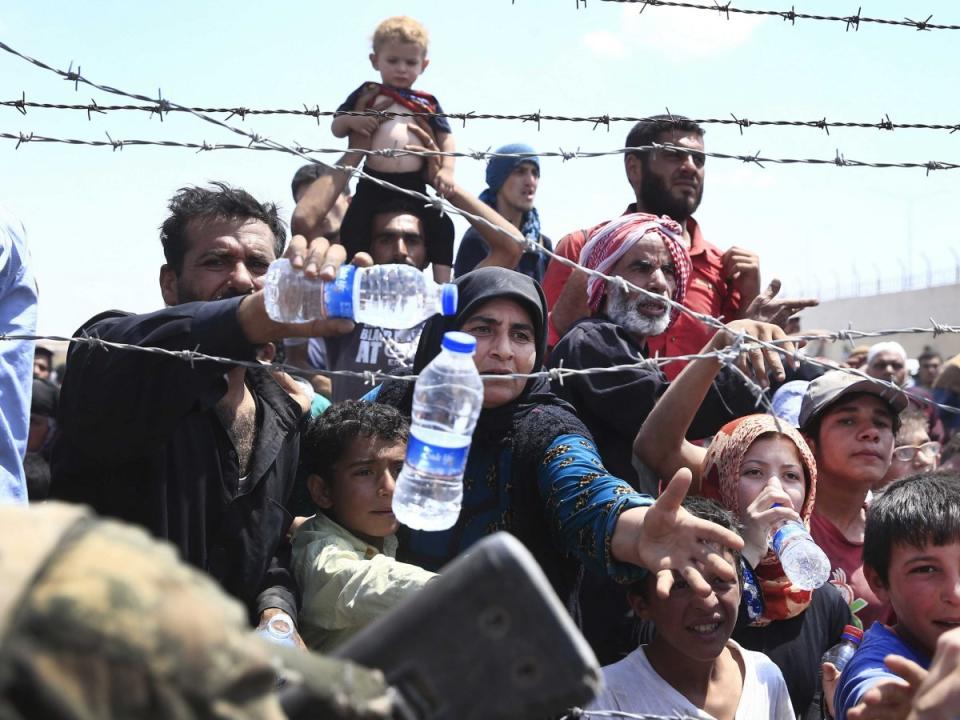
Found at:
<point>612,241</point>
<point>720,480</point>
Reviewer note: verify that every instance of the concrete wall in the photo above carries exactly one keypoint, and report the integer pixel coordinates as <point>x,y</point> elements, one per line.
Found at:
<point>895,310</point>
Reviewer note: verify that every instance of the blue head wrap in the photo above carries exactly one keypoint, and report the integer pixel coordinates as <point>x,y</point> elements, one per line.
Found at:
<point>498,170</point>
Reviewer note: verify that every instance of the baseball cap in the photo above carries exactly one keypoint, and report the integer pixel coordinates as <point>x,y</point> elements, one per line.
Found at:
<point>835,384</point>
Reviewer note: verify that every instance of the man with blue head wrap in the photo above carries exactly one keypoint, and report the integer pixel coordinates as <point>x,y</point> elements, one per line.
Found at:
<point>511,188</point>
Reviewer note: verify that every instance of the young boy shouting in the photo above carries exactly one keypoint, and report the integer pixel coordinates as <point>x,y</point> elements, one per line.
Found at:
<point>343,557</point>
<point>400,56</point>
<point>692,668</point>
<point>911,558</point>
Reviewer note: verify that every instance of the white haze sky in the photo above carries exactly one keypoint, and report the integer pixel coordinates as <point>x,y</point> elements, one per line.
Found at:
<point>92,213</point>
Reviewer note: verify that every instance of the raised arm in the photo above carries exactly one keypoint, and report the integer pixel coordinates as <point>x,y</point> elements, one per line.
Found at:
<point>572,303</point>
<point>504,242</point>
<point>318,199</point>
<point>661,442</point>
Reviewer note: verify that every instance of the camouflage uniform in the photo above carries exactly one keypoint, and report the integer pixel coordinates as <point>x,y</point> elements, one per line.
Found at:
<point>98,620</point>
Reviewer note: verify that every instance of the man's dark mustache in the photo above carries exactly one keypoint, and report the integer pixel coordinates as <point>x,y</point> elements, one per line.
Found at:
<point>232,293</point>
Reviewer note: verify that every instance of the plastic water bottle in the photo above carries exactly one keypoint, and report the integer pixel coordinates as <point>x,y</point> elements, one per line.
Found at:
<point>841,653</point>
<point>279,629</point>
<point>387,296</point>
<point>804,563</point>
<point>447,400</point>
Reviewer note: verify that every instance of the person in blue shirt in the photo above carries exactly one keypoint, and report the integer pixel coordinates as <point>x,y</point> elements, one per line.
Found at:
<point>18,300</point>
<point>511,190</point>
<point>911,557</point>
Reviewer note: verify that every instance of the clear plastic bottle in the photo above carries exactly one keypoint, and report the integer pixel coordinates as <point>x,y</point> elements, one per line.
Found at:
<point>804,563</point>
<point>279,629</point>
<point>387,296</point>
<point>841,653</point>
<point>447,400</point>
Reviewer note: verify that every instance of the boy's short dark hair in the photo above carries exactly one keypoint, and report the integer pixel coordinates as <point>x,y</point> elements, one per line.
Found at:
<point>649,130</point>
<point>951,448</point>
<point>914,510</point>
<point>220,202</point>
<point>308,174</point>
<point>329,435</point>
<point>705,509</point>
<point>912,419</point>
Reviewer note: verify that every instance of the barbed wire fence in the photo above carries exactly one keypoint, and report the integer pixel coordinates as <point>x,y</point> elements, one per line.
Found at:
<point>839,160</point>
<point>850,21</point>
<point>728,357</point>
<point>22,105</point>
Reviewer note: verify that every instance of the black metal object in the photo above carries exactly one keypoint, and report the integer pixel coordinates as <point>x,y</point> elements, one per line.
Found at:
<point>488,639</point>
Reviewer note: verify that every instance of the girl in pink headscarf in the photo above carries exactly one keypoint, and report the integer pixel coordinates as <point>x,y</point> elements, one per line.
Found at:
<point>760,468</point>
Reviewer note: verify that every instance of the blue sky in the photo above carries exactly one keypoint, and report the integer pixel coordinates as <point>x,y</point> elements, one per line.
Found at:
<point>92,214</point>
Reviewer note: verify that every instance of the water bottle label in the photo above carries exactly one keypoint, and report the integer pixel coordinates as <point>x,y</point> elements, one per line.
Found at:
<point>338,295</point>
<point>436,459</point>
<point>784,533</point>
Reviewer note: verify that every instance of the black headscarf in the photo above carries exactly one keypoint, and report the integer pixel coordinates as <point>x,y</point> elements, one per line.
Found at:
<point>527,425</point>
<point>475,289</point>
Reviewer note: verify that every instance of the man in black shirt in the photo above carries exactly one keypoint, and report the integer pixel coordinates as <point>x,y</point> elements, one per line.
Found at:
<point>203,453</point>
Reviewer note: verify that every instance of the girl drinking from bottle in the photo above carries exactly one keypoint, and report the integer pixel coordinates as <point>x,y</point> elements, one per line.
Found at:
<point>760,468</point>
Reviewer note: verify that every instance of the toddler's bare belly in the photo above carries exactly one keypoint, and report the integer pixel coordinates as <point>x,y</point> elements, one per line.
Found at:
<point>394,133</point>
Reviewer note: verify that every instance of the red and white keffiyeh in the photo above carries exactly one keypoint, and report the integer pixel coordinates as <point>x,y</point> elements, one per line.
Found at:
<point>608,244</point>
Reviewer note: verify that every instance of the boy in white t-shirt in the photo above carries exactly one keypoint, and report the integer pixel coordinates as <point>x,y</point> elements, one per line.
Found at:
<point>692,668</point>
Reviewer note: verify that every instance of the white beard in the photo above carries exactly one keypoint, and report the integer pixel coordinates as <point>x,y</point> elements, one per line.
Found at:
<point>622,309</point>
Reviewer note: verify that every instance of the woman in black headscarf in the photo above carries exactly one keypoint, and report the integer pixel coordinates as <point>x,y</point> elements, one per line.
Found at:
<point>533,468</point>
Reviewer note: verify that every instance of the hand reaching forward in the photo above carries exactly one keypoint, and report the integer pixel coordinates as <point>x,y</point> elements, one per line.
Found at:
<point>757,361</point>
<point>776,312</point>
<point>665,538</point>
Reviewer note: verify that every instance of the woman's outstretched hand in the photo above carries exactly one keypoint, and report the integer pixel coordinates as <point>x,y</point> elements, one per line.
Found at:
<point>666,539</point>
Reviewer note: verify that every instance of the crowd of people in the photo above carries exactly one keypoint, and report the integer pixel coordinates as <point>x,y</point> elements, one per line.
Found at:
<point>646,490</point>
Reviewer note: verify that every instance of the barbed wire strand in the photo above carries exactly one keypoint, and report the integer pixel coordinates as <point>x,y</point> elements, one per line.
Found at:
<point>443,206</point>
<point>839,160</point>
<point>21,104</point>
<point>791,15</point>
<point>727,357</point>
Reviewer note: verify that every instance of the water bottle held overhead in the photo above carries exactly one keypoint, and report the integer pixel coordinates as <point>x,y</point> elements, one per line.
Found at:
<point>447,400</point>
<point>387,296</point>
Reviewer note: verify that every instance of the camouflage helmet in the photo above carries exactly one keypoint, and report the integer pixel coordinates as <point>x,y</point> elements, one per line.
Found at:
<point>100,621</point>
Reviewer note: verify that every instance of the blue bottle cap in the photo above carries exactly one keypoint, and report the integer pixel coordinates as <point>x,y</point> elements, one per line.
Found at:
<point>459,342</point>
<point>449,296</point>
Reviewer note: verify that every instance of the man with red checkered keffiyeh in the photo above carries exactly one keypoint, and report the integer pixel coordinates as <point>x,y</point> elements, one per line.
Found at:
<point>647,252</point>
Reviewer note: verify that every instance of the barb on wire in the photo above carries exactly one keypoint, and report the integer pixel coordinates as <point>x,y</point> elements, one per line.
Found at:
<point>267,142</point>
<point>728,356</point>
<point>21,105</point>
<point>264,144</point>
<point>850,21</point>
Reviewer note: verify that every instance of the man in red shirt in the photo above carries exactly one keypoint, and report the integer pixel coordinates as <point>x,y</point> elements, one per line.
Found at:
<point>665,182</point>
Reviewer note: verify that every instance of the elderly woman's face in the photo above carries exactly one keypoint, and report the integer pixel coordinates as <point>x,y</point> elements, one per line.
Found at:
<point>506,343</point>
